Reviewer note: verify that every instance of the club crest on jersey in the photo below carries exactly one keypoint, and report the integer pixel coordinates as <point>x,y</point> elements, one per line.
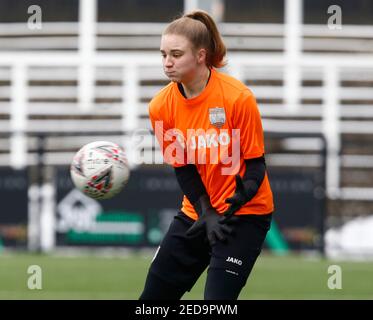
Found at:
<point>217,116</point>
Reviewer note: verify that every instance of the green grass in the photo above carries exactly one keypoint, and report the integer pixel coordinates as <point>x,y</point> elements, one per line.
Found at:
<point>93,277</point>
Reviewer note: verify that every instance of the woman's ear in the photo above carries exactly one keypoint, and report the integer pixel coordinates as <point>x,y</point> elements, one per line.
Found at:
<point>202,55</point>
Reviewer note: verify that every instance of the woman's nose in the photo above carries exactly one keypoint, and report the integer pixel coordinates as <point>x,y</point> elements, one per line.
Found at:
<point>168,62</point>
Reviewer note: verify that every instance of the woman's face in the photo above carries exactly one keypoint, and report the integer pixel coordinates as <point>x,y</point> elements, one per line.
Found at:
<point>180,61</point>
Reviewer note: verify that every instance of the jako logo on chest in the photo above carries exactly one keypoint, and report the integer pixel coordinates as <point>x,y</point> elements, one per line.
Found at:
<point>208,139</point>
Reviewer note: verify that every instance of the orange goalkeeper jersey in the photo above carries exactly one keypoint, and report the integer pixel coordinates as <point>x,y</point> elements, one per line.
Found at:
<point>216,131</point>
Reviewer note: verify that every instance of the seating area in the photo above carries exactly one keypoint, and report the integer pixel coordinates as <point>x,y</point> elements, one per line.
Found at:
<point>269,37</point>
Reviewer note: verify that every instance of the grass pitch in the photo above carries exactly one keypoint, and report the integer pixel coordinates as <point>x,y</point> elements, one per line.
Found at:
<point>94,277</point>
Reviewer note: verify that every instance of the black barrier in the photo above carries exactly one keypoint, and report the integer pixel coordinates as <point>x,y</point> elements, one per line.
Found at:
<point>298,213</point>
<point>13,216</point>
<point>299,192</point>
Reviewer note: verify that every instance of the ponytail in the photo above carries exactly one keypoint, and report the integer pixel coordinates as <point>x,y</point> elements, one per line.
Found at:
<point>200,29</point>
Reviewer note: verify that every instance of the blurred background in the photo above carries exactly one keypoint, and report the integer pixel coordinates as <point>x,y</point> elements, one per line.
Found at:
<point>73,72</point>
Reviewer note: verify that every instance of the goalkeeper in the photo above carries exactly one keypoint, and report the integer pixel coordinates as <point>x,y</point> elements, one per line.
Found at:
<point>210,131</point>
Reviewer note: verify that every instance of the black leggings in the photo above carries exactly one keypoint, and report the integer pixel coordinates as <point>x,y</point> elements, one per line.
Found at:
<point>181,260</point>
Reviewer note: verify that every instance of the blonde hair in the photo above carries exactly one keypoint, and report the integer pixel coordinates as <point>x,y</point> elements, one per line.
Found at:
<point>200,29</point>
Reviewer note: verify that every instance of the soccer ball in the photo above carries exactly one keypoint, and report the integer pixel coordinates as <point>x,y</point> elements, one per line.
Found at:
<point>100,169</point>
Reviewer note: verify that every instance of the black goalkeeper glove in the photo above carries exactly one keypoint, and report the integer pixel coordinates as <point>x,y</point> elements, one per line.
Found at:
<point>209,221</point>
<point>244,192</point>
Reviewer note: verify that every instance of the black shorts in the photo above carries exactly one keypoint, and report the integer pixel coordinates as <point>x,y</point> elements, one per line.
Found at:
<point>181,259</point>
